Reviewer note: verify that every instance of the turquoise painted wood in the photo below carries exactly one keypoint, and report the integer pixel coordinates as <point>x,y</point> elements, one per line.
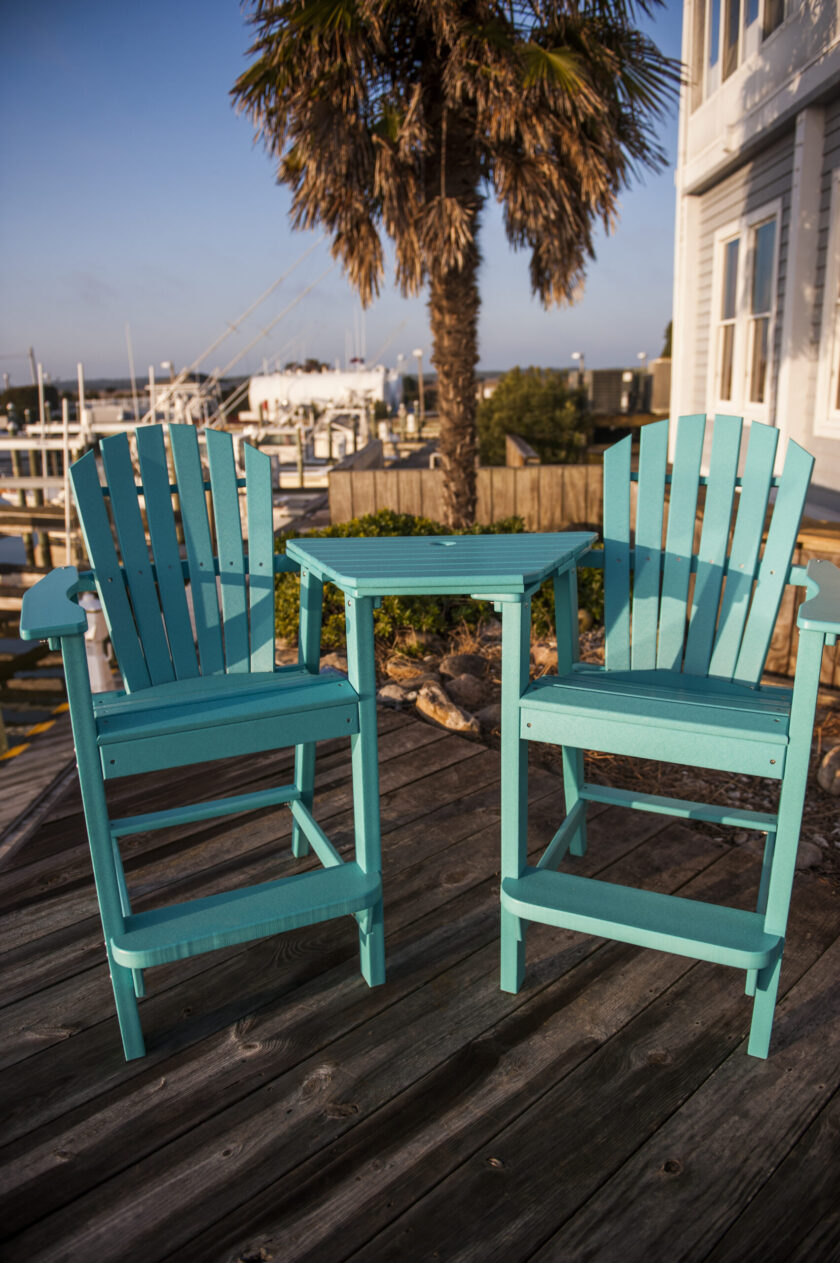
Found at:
<point>194,639</point>
<point>688,626</point>
<point>506,569</point>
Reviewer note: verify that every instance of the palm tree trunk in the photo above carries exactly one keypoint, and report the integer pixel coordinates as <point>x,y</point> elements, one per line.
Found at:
<point>453,313</point>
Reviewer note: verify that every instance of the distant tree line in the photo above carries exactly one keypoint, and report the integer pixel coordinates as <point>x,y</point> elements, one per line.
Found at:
<point>541,407</point>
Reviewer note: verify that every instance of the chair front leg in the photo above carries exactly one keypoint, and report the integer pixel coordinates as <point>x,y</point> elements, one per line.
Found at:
<point>100,839</point>
<point>516,650</point>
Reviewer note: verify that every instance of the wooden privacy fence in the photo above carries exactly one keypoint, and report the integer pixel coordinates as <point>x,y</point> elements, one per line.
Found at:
<point>547,497</point>
<point>557,498</point>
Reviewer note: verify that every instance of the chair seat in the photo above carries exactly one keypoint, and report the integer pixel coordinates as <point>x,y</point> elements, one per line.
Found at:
<point>663,715</point>
<point>186,721</point>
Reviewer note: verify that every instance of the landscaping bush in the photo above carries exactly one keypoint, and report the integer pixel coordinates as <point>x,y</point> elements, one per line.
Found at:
<point>538,405</point>
<point>399,614</point>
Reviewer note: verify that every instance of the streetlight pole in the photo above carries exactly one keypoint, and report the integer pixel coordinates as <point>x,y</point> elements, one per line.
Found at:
<point>418,355</point>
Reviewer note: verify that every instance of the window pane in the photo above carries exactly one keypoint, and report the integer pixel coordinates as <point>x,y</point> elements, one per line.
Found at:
<point>730,37</point>
<point>727,346</point>
<point>730,279</point>
<point>752,11</point>
<point>698,53</point>
<point>774,15</point>
<point>714,32</point>
<point>764,241</point>
<point>758,358</point>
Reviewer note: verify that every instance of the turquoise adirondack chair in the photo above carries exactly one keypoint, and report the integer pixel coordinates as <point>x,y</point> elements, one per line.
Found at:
<point>687,633</point>
<point>194,639</point>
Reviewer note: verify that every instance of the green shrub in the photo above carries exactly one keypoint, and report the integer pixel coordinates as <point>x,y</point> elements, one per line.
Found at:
<point>398,614</point>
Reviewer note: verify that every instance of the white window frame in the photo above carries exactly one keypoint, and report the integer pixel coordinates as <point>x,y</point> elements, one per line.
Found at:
<point>827,418</point>
<point>739,404</point>
<point>751,40</point>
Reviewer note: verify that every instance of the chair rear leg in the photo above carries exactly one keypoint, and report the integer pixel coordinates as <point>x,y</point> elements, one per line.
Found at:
<point>572,785</point>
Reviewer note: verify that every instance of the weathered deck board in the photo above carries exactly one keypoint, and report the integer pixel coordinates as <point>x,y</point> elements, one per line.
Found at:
<point>286,1111</point>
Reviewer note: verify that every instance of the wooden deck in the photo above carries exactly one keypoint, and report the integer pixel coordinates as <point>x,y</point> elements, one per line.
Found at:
<point>287,1112</point>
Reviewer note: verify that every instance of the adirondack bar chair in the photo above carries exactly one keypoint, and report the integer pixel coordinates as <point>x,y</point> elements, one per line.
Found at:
<point>687,634</point>
<point>199,683</point>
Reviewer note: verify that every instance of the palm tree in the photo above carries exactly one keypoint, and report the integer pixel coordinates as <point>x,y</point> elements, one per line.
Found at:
<point>404,115</point>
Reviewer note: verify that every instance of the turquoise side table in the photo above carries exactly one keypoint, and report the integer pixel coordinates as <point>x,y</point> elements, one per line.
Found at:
<point>504,569</point>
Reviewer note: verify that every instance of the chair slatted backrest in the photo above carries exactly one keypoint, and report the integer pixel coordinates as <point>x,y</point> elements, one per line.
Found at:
<point>720,625</point>
<point>141,584</point>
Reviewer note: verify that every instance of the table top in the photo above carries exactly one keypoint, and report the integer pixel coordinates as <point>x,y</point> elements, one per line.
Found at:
<point>476,565</point>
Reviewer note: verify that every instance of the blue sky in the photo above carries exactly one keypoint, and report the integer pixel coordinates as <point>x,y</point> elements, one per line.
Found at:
<point>131,193</point>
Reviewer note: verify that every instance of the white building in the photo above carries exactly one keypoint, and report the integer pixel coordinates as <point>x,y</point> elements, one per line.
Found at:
<point>273,395</point>
<point>757,269</point>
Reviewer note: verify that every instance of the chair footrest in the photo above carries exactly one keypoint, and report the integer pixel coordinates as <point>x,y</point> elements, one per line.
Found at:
<point>237,916</point>
<point>727,936</point>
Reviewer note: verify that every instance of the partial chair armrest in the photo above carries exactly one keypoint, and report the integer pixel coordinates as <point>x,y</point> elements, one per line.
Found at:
<point>48,610</point>
<point>821,611</point>
<point>284,564</point>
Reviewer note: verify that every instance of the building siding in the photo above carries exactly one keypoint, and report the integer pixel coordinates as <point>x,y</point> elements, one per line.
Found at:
<point>763,180</point>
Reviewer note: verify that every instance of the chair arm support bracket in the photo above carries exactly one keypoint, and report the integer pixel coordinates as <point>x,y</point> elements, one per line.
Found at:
<point>821,611</point>
<point>48,609</point>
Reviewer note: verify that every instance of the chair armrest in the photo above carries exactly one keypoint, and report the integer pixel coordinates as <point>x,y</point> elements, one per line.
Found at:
<point>821,611</point>
<point>48,610</point>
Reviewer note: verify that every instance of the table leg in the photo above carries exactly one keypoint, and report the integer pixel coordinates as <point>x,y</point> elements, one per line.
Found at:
<point>516,650</point>
<point>364,754</point>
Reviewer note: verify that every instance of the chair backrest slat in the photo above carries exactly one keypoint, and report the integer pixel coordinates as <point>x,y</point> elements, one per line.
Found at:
<point>775,563</point>
<point>617,555</point>
<point>653,463</point>
<point>230,551</point>
<point>154,474</point>
<point>260,558</point>
<point>746,545</point>
<point>726,629</point>
<point>714,543</point>
<point>137,563</point>
<point>99,542</point>
<point>200,560</point>
<point>682,513</point>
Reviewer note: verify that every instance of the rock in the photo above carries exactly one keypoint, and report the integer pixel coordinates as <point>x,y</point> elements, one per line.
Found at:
<point>433,702</point>
<point>405,690</point>
<point>490,716</point>
<point>393,695</point>
<point>808,855</point>
<point>491,630</point>
<point>544,654</point>
<point>828,775</point>
<point>285,655</point>
<point>466,690</point>
<point>423,639</point>
<point>401,668</point>
<point>335,662</point>
<point>463,664</point>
